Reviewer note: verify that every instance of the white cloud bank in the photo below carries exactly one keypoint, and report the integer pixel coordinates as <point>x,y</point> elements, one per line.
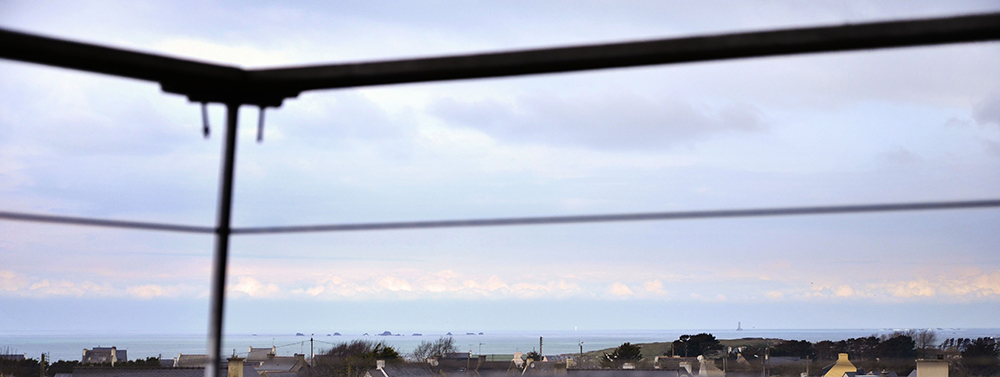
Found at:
<point>413,284</point>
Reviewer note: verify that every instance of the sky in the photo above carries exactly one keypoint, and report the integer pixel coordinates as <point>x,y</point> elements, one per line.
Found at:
<point>898,125</point>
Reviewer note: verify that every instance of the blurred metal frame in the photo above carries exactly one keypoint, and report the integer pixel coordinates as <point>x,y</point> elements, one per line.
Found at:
<point>233,86</point>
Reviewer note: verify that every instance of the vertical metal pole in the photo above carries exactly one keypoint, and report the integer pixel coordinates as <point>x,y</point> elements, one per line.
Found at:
<point>222,231</point>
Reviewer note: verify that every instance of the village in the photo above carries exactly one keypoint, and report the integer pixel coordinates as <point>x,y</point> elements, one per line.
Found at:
<point>911,354</point>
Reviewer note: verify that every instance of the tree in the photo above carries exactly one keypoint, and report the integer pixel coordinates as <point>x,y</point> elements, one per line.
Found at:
<point>897,347</point>
<point>797,348</point>
<point>694,345</point>
<point>826,350</point>
<point>438,348</point>
<point>62,366</point>
<point>351,359</point>
<point>925,339</point>
<point>981,357</point>
<point>860,348</point>
<point>625,353</point>
<point>20,368</point>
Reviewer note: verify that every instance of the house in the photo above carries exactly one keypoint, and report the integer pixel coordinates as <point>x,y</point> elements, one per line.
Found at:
<point>101,355</point>
<point>14,357</point>
<point>133,372</point>
<point>278,374</point>
<point>455,362</point>
<point>404,370</point>
<point>234,368</point>
<point>871,374</point>
<point>190,361</point>
<point>776,361</point>
<point>930,368</point>
<point>707,368</point>
<point>258,355</point>
<point>278,364</point>
<point>842,366</point>
<point>622,373</point>
<point>686,365</point>
<point>546,368</point>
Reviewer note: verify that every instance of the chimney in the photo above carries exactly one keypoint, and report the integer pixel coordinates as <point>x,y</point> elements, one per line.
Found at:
<point>235,366</point>
<point>379,364</point>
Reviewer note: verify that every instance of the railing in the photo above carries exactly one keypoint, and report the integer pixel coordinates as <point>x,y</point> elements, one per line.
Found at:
<point>234,87</point>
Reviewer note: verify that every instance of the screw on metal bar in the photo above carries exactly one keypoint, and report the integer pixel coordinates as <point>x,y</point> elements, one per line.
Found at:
<point>260,126</point>
<point>204,119</point>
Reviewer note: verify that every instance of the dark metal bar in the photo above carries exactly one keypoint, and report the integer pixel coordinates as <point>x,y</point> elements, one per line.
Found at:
<point>109,60</point>
<point>664,51</point>
<point>685,215</point>
<point>203,82</point>
<point>223,230</point>
<point>70,220</point>
<point>511,221</point>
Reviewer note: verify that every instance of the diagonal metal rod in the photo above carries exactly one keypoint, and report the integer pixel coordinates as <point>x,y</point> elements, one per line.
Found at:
<point>70,220</point>
<point>684,215</point>
<point>205,82</point>
<point>218,299</point>
<point>646,216</point>
<point>637,53</point>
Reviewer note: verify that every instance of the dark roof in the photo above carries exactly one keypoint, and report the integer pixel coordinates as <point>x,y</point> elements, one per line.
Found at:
<point>419,370</point>
<point>135,372</point>
<point>248,371</point>
<point>620,373</point>
<point>277,374</point>
<point>259,354</point>
<point>282,364</point>
<point>190,360</point>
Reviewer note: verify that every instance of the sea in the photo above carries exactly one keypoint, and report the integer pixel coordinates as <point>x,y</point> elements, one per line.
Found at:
<point>168,346</point>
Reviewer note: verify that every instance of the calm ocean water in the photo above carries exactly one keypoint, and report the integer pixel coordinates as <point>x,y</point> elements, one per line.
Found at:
<point>70,347</point>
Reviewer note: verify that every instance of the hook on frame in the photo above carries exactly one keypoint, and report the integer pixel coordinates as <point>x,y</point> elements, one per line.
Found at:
<point>204,120</point>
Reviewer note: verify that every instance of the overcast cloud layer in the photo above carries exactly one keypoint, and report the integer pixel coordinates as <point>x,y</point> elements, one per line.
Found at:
<point>901,125</point>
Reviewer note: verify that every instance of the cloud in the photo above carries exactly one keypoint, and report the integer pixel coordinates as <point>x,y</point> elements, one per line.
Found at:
<point>900,156</point>
<point>950,285</point>
<point>619,289</point>
<point>914,288</point>
<point>11,281</point>
<point>613,121</point>
<point>987,111</point>
<point>340,117</point>
<point>46,287</point>
<point>254,288</point>
<point>394,284</point>
<point>243,55</point>
<point>654,286</point>
<point>992,146</point>
<point>148,291</point>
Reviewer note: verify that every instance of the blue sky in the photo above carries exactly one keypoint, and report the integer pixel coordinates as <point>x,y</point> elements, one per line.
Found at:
<point>901,125</point>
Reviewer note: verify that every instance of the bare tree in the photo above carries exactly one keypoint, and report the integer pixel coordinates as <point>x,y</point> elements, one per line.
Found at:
<point>350,359</point>
<point>925,339</point>
<point>440,347</point>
